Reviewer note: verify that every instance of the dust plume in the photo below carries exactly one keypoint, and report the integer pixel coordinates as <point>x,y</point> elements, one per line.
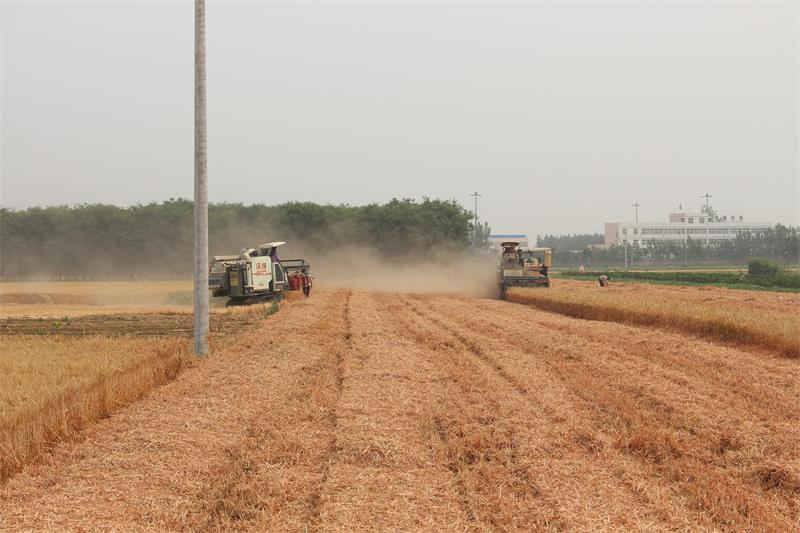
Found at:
<point>417,272</point>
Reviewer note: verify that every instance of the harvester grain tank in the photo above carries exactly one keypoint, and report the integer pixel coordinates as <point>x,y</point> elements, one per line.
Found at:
<point>522,267</point>
<point>257,275</point>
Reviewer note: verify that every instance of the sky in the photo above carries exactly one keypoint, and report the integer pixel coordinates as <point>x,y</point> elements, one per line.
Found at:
<point>562,116</point>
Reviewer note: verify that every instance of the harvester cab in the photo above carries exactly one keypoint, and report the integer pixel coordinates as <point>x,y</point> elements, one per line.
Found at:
<point>522,267</point>
<point>257,275</point>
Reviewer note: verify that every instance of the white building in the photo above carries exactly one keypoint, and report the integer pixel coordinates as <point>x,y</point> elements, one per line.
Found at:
<point>697,226</point>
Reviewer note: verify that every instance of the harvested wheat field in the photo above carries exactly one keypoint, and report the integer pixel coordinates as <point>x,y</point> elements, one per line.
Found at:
<point>358,410</point>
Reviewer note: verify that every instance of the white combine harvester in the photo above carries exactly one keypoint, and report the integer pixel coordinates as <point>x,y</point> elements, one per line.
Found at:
<point>257,275</point>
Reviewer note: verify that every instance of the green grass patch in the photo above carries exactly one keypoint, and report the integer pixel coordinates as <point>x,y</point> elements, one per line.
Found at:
<point>730,280</point>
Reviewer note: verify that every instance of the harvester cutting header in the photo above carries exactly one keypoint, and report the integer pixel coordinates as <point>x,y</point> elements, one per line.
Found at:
<point>522,267</point>
<point>257,275</point>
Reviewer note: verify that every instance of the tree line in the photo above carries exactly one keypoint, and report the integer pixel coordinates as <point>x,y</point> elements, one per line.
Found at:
<point>157,238</point>
<point>566,243</point>
<point>780,244</point>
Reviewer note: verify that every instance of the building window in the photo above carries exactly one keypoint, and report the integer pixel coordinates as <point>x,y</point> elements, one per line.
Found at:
<point>636,231</point>
<point>702,220</point>
<point>624,231</point>
<point>691,220</point>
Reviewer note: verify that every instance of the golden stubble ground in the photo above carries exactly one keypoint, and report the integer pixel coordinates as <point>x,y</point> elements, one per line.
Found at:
<point>75,352</point>
<point>358,410</point>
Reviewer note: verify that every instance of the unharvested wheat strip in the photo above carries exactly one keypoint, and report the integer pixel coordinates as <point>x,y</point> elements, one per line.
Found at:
<point>778,331</point>
<point>666,411</point>
<point>53,387</point>
<point>384,475</point>
<point>158,466</point>
<point>549,476</point>
<point>783,303</point>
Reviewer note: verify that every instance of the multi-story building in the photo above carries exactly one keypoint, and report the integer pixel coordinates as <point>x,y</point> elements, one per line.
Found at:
<point>697,226</point>
<point>495,240</point>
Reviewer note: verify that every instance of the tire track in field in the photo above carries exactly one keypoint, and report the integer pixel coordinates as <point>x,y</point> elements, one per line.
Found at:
<point>702,465</point>
<point>335,378</point>
<point>498,443</point>
<point>274,478</point>
<point>383,465</point>
<point>768,374</point>
<point>704,392</point>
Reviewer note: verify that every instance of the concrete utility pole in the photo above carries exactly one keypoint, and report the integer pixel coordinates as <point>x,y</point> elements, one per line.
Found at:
<point>200,184</point>
<point>637,205</point>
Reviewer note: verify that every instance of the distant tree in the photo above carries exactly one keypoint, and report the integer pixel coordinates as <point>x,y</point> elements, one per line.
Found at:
<point>790,245</point>
<point>710,211</point>
<point>479,236</point>
<point>575,242</point>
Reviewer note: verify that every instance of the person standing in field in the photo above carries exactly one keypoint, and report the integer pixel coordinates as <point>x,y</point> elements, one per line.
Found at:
<point>604,280</point>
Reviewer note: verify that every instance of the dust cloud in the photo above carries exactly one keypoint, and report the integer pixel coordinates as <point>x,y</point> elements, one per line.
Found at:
<point>362,268</point>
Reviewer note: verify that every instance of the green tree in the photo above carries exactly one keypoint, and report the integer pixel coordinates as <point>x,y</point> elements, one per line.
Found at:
<point>479,236</point>
<point>710,211</point>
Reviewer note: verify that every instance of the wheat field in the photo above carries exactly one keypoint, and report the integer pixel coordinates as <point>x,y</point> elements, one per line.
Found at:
<point>75,352</point>
<point>358,410</point>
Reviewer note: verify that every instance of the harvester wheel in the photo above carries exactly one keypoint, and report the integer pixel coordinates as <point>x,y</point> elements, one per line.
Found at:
<point>306,290</point>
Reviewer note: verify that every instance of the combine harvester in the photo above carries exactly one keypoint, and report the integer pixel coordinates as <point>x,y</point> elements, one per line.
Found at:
<point>255,276</point>
<point>522,267</point>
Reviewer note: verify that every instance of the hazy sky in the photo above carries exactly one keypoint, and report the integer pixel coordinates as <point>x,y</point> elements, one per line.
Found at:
<point>562,115</point>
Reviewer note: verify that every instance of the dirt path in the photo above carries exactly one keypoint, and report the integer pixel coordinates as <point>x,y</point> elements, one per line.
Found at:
<point>377,411</point>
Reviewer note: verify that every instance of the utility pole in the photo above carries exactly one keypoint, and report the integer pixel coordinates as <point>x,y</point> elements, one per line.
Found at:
<point>200,184</point>
<point>475,242</point>
<point>475,194</point>
<point>637,205</point>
